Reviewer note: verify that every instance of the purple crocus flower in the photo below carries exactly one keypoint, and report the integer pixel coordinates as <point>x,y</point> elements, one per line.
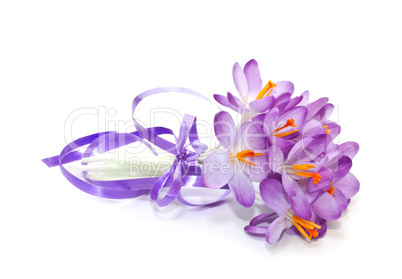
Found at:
<point>281,128</point>
<point>300,164</point>
<point>254,97</point>
<point>344,181</point>
<point>240,160</point>
<point>276,199</point>
<point>320,111</point>
<point>329,201</point>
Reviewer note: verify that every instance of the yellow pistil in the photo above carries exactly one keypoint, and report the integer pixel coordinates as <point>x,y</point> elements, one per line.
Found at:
<point>303,170</point>
<point>289,123</point>
<point>326,130</point>
<point>245,154</point>
<point>304,225</point>
<point>267,88</point>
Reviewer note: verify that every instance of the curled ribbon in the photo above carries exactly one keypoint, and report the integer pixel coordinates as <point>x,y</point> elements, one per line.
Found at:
<point>184,172</point>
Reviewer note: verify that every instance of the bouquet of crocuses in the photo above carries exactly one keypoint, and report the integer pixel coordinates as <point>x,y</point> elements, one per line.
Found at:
<point>282,152</point>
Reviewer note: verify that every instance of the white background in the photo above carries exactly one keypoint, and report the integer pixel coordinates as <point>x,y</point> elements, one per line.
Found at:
<point>60,56</point>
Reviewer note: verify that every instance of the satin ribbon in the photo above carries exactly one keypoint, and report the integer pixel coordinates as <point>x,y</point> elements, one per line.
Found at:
<point>184,172</point>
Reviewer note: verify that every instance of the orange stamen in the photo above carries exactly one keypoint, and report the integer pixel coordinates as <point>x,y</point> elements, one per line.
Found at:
<point>269,87</point>
<point>326,130</point>
<point>245,154</point>
<point>301,230</point>
<point>289,123</point>
<point>245,161</point>
<point>285,134</point>
<point>303,167</point>
<point>305,225</point>
<point>313,233</point>
<point>331,190</point>
<point>316,177</point>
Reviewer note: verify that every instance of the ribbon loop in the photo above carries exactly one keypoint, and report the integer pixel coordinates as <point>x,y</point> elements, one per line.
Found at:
<point>185,170</point>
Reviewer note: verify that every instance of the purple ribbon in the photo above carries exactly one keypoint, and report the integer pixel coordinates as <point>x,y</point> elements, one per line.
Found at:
<point>184,172</point>
<point>146,134</point>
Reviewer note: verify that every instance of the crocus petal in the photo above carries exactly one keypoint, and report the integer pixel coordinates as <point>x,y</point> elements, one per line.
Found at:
<point>275,230</point>
<point>312,128</point>
<point>289,184</point>
<point>312,196</point>
<point>333,129</point>
<point>240,81</point>
<point>263,218</point>
<point>298,114</point>
<point>349,149</point>
<point>270,120</point>
<point>284,144</point>
<point>297,153</point>
<point>224,101</point>
<point>275,158</point>
<point>306,96</point>
<point>321,163</point>
<point>321,232</point>
<point>343,166</point>
<point>282,101</point>
<point>341,200</point>
<point>294,102</point>
<point>300,204</point>
<point>259,169</point>
<point>273,195</point>
<point>217,170</point>
<point>283,87</point>
<point>332,147</point>
<point>254,81</point>
<point>314,107</point>
<point>225,129</point>
<point>251,136</point>
<point>257,230</point>
<point>242,188</point>
<point>259,118</point>
<point>237,103</point>
<point>263,104</point>
<point>325,112</point>
<point>326,207</point>
<point>349,185</point>
<point>326,179</point>
<point>307,150</point>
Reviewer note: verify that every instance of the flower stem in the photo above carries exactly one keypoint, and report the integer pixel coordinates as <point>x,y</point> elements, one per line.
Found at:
<point>258,196</point>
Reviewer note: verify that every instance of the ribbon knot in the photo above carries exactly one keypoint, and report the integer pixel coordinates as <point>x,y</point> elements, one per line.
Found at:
<point>185,160</point>
<point>182,157</point>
